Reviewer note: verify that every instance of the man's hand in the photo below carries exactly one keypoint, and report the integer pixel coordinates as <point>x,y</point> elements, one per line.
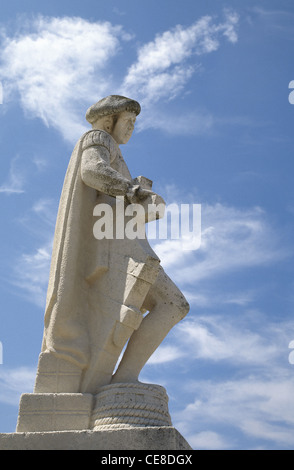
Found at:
<point>152,203</point>
<point>143,193</point>
<point>137,194</point>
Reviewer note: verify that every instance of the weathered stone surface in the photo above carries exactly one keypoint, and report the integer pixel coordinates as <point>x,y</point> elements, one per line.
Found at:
<point>148,438</point>
<point>54,411</point>
<point>116,406</point>
<point>130,405</point>
<point>101,287</point>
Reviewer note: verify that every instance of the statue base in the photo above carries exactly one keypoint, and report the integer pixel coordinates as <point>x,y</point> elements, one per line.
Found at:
<point>116,406</point>
<point>122,416</point>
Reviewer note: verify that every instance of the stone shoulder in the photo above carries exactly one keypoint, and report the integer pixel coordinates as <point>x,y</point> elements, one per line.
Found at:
<point>99,138</point>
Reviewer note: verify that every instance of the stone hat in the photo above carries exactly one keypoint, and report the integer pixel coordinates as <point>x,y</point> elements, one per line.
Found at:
<point>112,104</point>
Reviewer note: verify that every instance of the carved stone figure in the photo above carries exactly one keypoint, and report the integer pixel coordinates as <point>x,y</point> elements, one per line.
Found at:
<point>99,290</point>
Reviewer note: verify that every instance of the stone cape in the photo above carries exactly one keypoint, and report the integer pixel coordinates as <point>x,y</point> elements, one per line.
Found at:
<point>64,294</point>
<point>73,302</point>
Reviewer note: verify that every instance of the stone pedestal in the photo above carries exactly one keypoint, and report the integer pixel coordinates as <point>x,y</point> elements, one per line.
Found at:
<point>127,416</point>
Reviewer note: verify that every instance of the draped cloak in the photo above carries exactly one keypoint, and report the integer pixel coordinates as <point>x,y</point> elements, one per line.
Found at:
<point>80,262</point>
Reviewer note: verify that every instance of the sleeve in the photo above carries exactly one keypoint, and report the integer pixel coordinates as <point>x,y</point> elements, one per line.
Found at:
<point>96,171</point>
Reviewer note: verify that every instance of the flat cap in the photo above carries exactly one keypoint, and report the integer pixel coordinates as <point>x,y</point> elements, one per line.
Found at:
<point>112,104</point>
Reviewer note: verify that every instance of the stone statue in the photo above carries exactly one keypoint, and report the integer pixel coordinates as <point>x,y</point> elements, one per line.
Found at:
<point>99,289</point>
<point>108,293</point>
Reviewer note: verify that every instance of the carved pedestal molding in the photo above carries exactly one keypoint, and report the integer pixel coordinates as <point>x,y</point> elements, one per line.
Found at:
<point>116,406</point>
<point>130,405</point>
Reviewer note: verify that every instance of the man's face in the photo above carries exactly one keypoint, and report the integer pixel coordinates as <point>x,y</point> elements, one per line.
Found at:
<point>124,127</point>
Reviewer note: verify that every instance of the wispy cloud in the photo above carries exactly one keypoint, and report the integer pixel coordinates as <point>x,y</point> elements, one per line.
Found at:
<point>257,407</point>
<point>15,181</point>
<point>31,274</point>
<point>207,440</point>
<point>162,70</point>
<point>268,13</point>
<point>164,67</point>
<point>232,239</point>
<point>40,163</point>
<point>14,382</point>
<point>277,21</point>
<point>250,395</point>
<point>215,338</point>
<point>242,350</point>
<point>196,122</point>
<point>31,270</point>
<point>204,299</point>
<point>246,339</point>
<point>166,353</point>
<point>57,63</point>
<point>59,66</point>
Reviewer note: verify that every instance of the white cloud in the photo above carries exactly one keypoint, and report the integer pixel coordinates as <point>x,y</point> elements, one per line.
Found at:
<point>189,123</point>
<point>58,63</point>
<point>31,274</point>
<point>60,66</point>
<point>31,270</point>
<point>162,70</point>
<point>45,209</point>
<point>271,14</point>
<point>258,407</point>
<point>165,353</point>
<point>245,339</point>
<point>207,440</point>
<point>249,399</point>
<point>204,298</point>
<point>273,21</point>
<point>216,338</point>
<point>248,395</point>
<point>41,163</point>
<point>14,382</point>
<point>15,181</point>
<point>232,239</point>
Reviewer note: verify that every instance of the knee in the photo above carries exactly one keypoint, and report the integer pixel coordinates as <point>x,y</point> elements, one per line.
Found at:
<point>167,297</point>
<point>179,308</point>
<point>183,308</point>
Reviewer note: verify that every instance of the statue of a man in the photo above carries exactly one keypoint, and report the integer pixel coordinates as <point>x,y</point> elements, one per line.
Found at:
<point>100,290</point>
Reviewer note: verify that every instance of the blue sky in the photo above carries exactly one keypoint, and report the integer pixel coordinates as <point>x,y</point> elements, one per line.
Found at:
<point>216,129</point>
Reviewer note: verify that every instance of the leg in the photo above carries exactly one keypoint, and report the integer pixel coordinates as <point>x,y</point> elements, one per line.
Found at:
<point>167,306</point>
